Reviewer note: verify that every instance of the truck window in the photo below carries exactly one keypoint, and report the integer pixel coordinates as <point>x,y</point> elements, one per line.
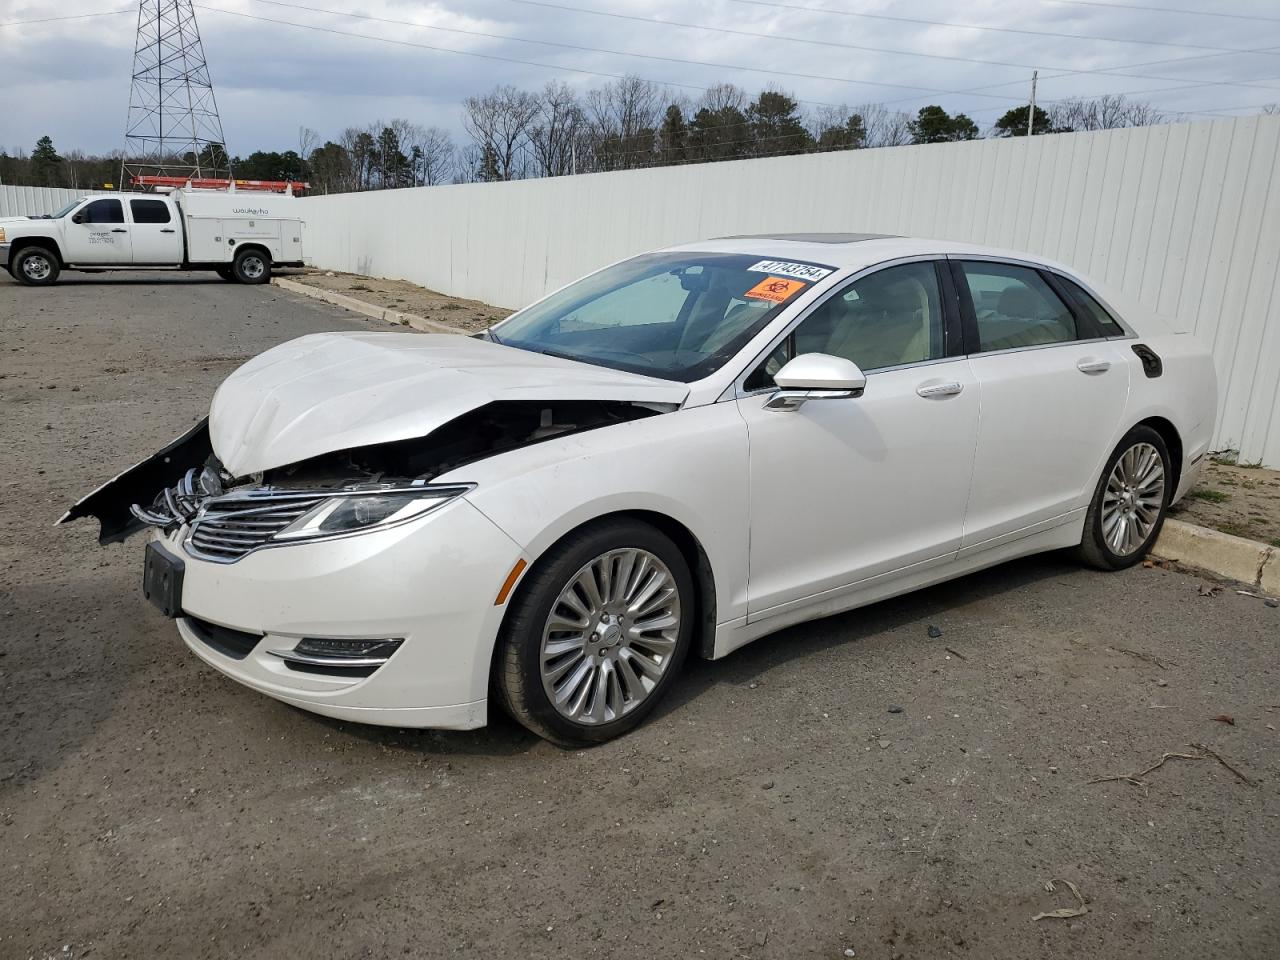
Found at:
<point>103,211</point>
<point>149,211</point>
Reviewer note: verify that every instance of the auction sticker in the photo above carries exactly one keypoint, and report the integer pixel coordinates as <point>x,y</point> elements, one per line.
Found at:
<point>801,271</point>
<point>775,289</point>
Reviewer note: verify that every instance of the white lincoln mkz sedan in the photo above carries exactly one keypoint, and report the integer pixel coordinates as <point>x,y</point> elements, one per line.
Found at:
<point>679,453</point>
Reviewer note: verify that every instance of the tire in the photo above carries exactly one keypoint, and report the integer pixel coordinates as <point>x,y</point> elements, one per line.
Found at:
<point>34,266</point>
<point>251,266</point>
<point>1129,503</point>
<point>226,273</point>
<point>652,656</point>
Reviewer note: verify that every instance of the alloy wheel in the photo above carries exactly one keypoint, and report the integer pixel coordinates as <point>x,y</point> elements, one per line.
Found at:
<point>1133,500</point>
<point>610,636</point>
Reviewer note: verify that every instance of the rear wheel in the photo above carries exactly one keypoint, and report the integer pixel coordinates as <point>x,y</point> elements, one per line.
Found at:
<point>34,266</point>
<point>1130,502</point>
<point>251,266</point>
<point>596,634</point>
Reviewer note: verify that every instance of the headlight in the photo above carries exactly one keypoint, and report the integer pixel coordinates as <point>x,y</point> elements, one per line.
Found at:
<point>355,511</point>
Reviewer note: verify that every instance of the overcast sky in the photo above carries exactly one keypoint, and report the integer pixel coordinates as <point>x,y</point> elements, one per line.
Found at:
<point>70,79</point>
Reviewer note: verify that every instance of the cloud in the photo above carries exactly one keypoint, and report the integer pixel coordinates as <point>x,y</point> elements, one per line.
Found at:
<point>70,79</point>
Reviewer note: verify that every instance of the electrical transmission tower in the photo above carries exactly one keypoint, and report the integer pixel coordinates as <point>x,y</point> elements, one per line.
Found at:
<point>173,127</point>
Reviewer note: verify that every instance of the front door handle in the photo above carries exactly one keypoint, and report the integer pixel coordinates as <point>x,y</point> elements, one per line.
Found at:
<point>1091,365</point>
<point>119,230</point>
<point>931,390</point>
<point>166,230</point>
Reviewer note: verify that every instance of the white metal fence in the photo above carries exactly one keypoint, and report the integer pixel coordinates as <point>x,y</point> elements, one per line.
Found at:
<point>1184,217</point>
<point>33,201</point>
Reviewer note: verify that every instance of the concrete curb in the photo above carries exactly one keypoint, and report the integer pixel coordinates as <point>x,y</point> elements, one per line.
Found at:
<point>1221,554</point>
<point>367,309</point>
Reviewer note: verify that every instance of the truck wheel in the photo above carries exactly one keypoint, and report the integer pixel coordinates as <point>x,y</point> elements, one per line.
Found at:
<point>252,266</point>
<point>226,273</point>
<point>34,266</point>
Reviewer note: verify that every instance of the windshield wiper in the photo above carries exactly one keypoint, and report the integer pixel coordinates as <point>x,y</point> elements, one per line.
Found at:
<point>488,332</point>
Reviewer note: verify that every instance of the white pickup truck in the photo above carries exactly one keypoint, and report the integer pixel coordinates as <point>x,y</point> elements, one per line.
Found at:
<point>240,235</point>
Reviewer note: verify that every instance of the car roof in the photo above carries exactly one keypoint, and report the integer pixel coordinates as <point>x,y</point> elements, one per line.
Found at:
<point>854,251</point>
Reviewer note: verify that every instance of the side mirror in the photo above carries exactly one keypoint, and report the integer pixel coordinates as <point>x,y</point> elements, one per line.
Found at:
<point>78,218</point>
<point>816,376</point>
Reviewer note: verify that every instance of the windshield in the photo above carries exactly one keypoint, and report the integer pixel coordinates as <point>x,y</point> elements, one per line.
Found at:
<point>65,210</point>
<point>678,316</point>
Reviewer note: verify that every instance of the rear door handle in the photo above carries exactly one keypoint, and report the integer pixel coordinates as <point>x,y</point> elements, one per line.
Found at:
<point>931,390</point>
<point>166,230</point>
<point>1090,365</point>
<point>119,230</point>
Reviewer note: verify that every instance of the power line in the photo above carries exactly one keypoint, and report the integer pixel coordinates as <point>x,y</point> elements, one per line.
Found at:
<point>77,16</point>
<point>974,26</point>
<point>623,53</point>
<point>1193,13</point>
<point>1131,66</point>
<point>531,63</point>
<point>1064,71</point>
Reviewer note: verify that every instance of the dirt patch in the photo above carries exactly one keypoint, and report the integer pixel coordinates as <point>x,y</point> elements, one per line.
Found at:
<point>406,297</point>
<point>1240,500</point>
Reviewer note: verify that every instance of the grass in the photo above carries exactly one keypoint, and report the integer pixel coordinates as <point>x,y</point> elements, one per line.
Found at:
<point>1210,496</point>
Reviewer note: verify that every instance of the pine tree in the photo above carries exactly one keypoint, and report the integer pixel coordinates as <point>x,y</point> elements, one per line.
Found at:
<point>46,164</point>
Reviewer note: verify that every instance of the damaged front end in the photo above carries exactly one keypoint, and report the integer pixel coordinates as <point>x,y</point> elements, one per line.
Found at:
<point>332,494</point>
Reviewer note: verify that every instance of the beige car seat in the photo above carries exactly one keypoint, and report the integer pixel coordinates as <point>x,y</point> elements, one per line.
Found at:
<point>887,325</point>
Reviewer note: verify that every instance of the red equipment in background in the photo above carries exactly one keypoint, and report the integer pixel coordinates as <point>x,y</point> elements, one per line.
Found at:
<point>207,183</point>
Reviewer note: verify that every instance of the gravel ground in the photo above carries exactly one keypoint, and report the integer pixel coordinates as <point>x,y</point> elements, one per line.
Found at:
<point>1242,500</point>
<point>777,806</point>
<point>406,297</point>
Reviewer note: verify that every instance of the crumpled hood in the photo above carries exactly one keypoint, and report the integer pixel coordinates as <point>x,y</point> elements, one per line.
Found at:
<point>335,391</point>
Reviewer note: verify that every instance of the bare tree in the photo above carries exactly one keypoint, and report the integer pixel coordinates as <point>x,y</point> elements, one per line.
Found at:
<point>623,118</point>
<point>1104,113</point>
<point>723,96</point>
<point>884,127</point>
<point>555,134</point>
<point>434,155</point>
<point>499,122</point>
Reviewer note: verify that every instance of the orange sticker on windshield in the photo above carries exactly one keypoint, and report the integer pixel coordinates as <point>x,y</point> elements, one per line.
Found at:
<point>775,289</point>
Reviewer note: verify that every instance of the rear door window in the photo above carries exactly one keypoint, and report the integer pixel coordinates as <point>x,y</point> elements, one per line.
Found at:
<point>149,211</point>
<point>1015,307</point>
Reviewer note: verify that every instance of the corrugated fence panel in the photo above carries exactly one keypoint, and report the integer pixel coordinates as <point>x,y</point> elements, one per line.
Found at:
<point>1185,218</point>
<point>33,201</point>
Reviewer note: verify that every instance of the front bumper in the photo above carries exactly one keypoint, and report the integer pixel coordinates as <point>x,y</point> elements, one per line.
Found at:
<point>431,583</point>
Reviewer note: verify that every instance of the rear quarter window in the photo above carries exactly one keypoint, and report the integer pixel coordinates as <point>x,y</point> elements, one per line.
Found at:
<point>1107,324</point>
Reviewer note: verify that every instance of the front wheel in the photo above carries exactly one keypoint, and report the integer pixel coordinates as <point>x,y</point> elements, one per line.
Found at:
<point>1129,504</point>
<point>34,266</point>
<point>596,633</point>
<point>251,266</point>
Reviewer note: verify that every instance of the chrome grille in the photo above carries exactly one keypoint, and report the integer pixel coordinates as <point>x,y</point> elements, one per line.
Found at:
<point>229,527</point>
